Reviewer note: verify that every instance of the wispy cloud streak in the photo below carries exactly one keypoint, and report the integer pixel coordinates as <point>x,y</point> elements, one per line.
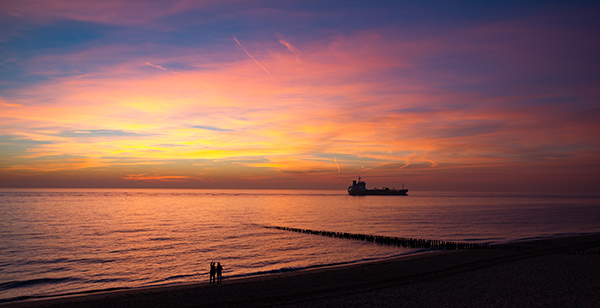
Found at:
<point>160,67</point>
<point>206,127</point>
<point>158,178</point>
<point>249,55</point>
<point>289,46</point>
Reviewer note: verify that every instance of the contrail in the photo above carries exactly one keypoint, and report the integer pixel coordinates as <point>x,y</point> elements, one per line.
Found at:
<point>160,67</point>
<point>249,55</point>
<point>336,164</point>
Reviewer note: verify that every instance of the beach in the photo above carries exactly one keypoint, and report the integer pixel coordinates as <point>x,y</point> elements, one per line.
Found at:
<point>555,272</point>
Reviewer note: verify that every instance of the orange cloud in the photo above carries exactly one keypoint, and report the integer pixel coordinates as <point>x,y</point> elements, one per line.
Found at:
<point>154,178</point>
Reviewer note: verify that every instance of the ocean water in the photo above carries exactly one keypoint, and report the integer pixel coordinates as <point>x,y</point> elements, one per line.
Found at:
<point>64,241</point>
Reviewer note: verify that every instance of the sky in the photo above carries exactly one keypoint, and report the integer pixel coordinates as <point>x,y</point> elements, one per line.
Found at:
<point>438,95</point>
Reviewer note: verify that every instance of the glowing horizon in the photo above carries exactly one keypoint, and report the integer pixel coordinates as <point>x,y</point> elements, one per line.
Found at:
<point>283,95</point>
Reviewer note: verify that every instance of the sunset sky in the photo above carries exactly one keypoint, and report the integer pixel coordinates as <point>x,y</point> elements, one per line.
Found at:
<point>439,95</point>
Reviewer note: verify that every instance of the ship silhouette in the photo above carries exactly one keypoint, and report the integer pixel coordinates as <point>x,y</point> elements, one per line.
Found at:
<point>360,189</point>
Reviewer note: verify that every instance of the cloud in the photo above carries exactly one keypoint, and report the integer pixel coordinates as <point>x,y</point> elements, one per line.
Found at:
<point>433,164</point>
<point>12,146</point>
<point>9,104</point>
<point>160,67</point>
<point>289,46</point>
<point>158,178</point>
<point>19,140</point>
<point>98,133</point>
<point>211,128</point>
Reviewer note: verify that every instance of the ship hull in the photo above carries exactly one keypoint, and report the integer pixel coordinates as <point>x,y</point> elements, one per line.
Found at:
<point>378,192</point>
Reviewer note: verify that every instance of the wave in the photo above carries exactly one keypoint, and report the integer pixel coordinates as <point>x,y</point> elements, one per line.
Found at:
<point>300,268</point>
<point>550,236</point>
<point>175,277</point>
<point>58,261</point>
<point>26,297</point>
<point>31,282</point>
<point>489,240</point>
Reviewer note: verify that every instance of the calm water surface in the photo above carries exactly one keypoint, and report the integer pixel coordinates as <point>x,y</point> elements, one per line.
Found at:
<point>58,241</point>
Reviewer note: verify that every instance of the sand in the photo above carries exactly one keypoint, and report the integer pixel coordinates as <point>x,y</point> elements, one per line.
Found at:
<point>559,272</point>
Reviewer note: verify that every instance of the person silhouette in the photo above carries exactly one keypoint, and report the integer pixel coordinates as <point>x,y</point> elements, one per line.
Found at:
<point>213,270</point>
<point>219,271</point>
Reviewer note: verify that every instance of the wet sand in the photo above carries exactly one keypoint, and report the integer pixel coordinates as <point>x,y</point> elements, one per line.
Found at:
<point>559,272</point>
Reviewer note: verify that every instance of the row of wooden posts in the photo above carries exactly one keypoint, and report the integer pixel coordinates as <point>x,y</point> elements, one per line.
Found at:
<point>390,241</point>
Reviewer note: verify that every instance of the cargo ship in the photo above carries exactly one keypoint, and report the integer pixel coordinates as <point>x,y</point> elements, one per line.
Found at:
<point>360,189</point>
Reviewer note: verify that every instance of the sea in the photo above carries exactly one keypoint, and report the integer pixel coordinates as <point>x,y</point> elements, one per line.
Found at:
<point>57,242</point>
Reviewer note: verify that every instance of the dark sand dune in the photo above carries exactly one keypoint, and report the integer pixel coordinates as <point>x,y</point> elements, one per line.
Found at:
<point>560,272</point>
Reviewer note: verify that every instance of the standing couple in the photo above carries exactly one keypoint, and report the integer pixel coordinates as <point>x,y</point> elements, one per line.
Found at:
<point>218,269</point>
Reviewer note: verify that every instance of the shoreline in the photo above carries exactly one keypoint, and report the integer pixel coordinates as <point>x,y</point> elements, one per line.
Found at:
<point>554,271</point>
<point>235,278</point>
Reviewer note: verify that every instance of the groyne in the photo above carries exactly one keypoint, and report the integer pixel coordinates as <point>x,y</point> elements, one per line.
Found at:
<point>391,241</point>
